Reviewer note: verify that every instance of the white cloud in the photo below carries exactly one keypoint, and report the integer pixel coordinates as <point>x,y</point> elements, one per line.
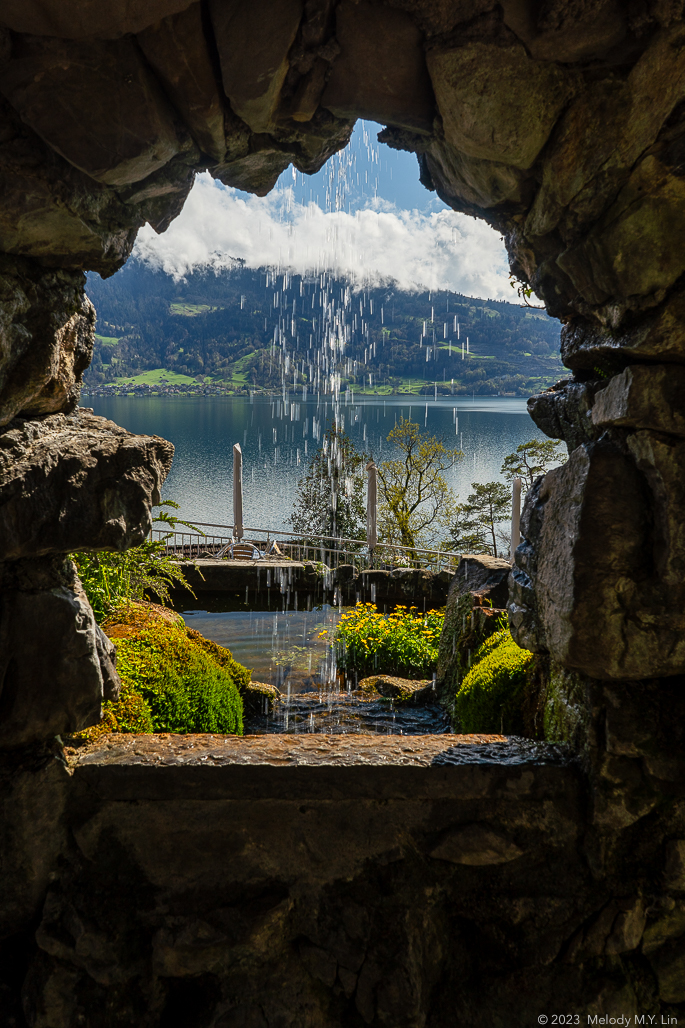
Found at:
<point>442,250</point>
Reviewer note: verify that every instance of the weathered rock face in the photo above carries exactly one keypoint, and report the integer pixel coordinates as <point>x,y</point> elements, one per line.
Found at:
<point>48,634</point>
<point>46,339</point>
<point>477,595</point>
<point>74,482</point>
<point>598,581</point>
<point>560,124</point>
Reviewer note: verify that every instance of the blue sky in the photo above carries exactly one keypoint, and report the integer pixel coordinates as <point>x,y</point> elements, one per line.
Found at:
<point>366,169</point>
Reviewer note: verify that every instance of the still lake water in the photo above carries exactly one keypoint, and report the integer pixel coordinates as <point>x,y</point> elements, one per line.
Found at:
<point>275,448</point>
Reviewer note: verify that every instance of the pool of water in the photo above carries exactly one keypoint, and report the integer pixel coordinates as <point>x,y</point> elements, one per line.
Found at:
<point>287,649</point>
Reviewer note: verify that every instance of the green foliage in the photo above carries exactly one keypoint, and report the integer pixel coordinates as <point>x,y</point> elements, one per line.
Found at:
<point>330,497</point>
<point>491,695</point>
<point>533,459</point>
<point>415,496</point>
<point>112,578</point>
<point>173,680</point>
<point>402,643</point>
<point>475,528</point>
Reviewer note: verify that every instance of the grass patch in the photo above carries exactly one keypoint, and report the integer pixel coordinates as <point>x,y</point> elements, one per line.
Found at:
<point>155,376</point>
<point>107,340</point>
<point>173,679</point>
<point>402,643</point>
<point>191,310</point>
<point>490,698</point>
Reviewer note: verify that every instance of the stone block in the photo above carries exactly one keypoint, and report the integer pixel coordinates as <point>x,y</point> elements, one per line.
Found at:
<point>254,75</point>
<point>177,50</point>
<point>476,845</point>
<point>563,32</point>
<point>70,482</point>
<point>33,835</point>
<point>585,530</point>
<point>400,690</point>
<point>52,681</point>
<point>49,209</point>
<point>259,697</point>
<point>256,173</point>
<point>647,216</point>
<point>478,592</point>
<point>496,103</point>
<point>643,396</point>
<point>112,120</point>
<point>81,19</point>
<point>674,866</point>
<point>564,411</point>
<point>668,964</point>
<point>470,183</point>
<point>47,330</point>
<point>658,335</point>
<point>381,71</point>
<point>482,574</point>
<point>599,577</point>
<point>616,929</point>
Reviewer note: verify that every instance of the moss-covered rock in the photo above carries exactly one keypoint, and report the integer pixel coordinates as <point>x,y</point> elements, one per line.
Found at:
<point>173,680</point>
<point>467,625</point>
<point>566,711</point>
<point>491,697</point>
<point>399,690</point>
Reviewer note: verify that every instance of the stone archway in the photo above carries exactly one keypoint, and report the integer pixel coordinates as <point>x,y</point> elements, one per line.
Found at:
<point>561,125</point>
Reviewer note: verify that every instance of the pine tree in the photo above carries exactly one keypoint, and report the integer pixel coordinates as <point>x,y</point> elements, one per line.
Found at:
<point>477,519</point>
<point>330,497</point>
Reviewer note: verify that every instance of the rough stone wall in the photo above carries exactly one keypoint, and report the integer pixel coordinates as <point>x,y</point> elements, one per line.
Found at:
<point>559,123</point>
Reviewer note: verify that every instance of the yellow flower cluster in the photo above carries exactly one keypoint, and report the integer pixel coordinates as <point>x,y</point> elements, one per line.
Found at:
<point>402,642</point>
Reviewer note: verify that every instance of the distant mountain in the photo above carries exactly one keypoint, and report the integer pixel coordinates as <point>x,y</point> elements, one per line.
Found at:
<point>240,330</point>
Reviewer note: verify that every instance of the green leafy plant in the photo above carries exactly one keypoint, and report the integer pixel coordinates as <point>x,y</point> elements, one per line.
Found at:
<point>490,697</point>
<point>402,643</point>
<point>112,578</point>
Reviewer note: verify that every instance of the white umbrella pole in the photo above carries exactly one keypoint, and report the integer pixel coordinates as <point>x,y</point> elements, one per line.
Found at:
<point>371,505</point>
<point>515,516</point>
<point>237,492</point>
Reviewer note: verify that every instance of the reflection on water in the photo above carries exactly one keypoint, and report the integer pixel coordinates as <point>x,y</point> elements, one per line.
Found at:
<point>282,648</point>
<point>285,649</point>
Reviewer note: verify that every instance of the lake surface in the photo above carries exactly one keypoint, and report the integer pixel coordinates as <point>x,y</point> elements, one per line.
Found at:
<point>277,439</point>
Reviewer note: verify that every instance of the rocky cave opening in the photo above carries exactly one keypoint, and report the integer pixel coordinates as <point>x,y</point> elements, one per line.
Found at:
<point>225,884</point>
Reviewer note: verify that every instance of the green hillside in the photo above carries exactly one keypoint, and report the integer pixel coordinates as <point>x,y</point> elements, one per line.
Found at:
<point>240,329</point>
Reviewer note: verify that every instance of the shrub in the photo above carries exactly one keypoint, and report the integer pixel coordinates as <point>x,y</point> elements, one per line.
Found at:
<point>402,643</point>
<point>491,695</point>
<point>173,680</point>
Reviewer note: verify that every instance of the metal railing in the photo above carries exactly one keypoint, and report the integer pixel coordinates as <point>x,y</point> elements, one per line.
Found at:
<point>326,549</point>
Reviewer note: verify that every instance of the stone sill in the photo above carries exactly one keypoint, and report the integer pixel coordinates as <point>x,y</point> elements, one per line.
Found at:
<point>325,767</point>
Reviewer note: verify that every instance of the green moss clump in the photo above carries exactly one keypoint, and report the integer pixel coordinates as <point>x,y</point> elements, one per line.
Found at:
<point>173,679</point>
<point>223,657</point>
<point>491,696</point>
